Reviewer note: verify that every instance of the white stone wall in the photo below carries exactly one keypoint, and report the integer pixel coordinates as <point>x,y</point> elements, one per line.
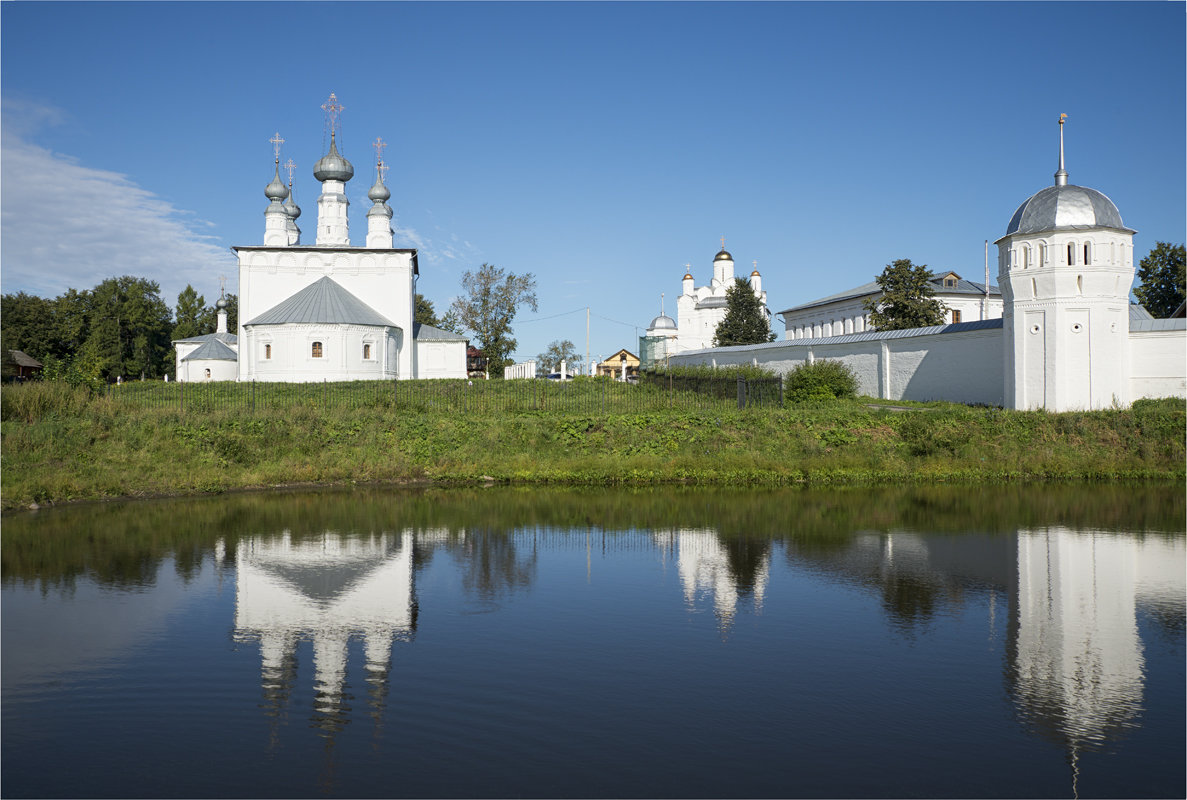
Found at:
<point>1158,364</point>
<point>195,370</point>
<point>440,359</point>
<point>382,280</point>
<point>344,348</point>
<point>850,315</point>
<point>964,367</point>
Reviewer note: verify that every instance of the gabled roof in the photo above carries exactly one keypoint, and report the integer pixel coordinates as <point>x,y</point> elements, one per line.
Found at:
<point>427,333</point>
<point>1138,314</point>
<point>868,289</point>
<point>212,350</point>
<point>22,359</point>
<point>225,338</point>
<point>323,301</point>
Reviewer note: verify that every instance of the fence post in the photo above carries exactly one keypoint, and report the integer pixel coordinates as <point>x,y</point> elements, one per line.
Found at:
<point>780,391</point>
<point>741,392</point>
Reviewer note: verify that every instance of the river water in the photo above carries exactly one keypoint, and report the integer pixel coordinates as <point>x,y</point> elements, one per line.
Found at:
<point>939,642</point>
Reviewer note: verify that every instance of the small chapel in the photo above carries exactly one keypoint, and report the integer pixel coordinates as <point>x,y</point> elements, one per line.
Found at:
<point>330,310</point>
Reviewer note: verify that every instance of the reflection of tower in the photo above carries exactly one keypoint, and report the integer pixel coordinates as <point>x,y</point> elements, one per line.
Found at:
<point>727,569</point>
<point>328,588</point>
<point>1076,664</point>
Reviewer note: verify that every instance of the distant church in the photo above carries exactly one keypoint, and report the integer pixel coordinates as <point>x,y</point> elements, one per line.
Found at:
<point>330,310</point>
<point>1067,337</point>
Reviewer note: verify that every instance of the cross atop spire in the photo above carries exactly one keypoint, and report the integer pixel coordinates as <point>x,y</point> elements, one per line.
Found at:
<point>378,144</point>
<point>290,165</point>
<point>1061,174</point>
<point>222,285</point>
<point>276,143</point>
<point>383,168</point>
<point>722,242</point>
<point>333,110</point>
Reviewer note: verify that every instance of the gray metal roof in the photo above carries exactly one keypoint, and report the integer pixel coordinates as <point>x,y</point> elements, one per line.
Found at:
<point>1063,207</point>
<point>1179,324</point>
<point>1137,313</point>
<point>225,338</point>
<point>427,333</point>
<point>23,359</point>
<point>323,301</point>
<point>868,289</point>
<point>868,336</point>
<point>713,302</point>
<point>213,350</point>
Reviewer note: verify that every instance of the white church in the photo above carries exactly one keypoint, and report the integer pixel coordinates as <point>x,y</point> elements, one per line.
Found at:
<point>1067,337</point>
<point>327,311</point>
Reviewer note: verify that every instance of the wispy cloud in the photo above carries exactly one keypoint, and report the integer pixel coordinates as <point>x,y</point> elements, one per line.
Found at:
<point>65,225</point>
<point>438,249</point>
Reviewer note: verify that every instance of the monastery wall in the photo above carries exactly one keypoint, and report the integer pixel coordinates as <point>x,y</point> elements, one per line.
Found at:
<point>1158,363</point>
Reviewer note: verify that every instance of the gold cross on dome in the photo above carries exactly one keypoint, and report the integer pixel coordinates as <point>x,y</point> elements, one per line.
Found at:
<point>722,242</point>
<point>378,144</point>
<point>290,165</point>
<point>276,143</point>
<point>333,110</point>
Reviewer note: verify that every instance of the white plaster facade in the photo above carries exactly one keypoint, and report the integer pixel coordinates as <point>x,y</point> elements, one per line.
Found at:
<point>700,309</point>
<point>1067,339</point>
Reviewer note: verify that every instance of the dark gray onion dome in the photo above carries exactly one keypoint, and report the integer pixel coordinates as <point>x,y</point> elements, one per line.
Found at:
<point>276,190</point>
<point>290,206</point>
<point>723,256</point>
<point>1065,207</point>
<point>663,322</point>
<point>332,166</point>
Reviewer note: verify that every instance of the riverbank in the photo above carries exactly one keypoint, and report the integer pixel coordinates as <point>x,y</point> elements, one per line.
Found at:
<point>64,445</point>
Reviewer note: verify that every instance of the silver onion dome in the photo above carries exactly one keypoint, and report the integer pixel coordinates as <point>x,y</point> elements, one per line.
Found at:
<point>290,206</point>
<point>332,166</point>
<point>379,193</point>
<point>723,256</point>
<point>662,322</point>
<point>221,304</point>
<point>1065,207</point>
<point>276,190</point>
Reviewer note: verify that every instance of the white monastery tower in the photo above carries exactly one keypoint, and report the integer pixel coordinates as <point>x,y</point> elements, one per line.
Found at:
<point>700,309</point>
<point>1065,270</point>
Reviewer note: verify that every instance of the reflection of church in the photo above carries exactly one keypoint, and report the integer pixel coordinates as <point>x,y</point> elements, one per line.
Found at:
<point>723,568</point>
<point>328,589</point>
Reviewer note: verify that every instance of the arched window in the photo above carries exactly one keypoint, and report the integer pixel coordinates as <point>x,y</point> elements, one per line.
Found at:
<point>1025,258</point>
<point>1087,254</point>
<point>366,351</point>
<point>1042,254</point>
<point>267,351</point>
<point>1071,254</point>
<point>317,349</point>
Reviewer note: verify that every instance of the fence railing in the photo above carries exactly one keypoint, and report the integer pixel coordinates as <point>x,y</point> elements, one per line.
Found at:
<point>581,396</point>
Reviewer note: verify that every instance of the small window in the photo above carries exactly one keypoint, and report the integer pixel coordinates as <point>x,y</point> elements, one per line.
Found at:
<point>317,349</point>
<point>955,315</point>
<point>1071,255</point>
<point>1042,254</point>
<point>366,352</point>
<point>1087,255</point>
<point>951,282</point>
<point>1025,263</point>
<point>207,374</point>
<point>267,351</point>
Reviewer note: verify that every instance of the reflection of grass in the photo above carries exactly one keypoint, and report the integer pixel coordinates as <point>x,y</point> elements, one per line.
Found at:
<point>58,449</point>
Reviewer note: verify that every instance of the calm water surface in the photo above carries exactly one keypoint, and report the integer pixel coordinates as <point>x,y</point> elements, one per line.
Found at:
<point>972,642</point>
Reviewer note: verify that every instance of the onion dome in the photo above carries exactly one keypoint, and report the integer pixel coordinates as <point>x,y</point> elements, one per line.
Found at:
<point>662,322</point>
<point>332,166</point>
<point>687,276</point>
<point>276,190</point>
<point>723,256</point>
<point>752,274</point>
<point>379,193</point>
<point>290,207</point>
<point>221,303</point>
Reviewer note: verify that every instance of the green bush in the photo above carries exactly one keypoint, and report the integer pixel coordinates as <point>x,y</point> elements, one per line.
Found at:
<point>820,380</point>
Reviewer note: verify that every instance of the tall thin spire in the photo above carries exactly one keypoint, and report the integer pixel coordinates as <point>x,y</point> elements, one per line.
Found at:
<point>1061,175</point>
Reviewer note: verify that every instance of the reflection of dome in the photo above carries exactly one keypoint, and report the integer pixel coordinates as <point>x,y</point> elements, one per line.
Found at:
<point>662,322</point>
<point>1062,207</point>
<point>332,166</point>
<point>723,256</point>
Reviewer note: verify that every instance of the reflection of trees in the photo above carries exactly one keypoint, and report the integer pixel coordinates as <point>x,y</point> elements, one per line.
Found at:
<point>491,564</point>
<point>748,562</point>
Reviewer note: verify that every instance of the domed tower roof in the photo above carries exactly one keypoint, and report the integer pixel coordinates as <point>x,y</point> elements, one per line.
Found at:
<point>332,166</point>
<point>276,190</point>
<point>662,322</point>
<point>1064,206</point>
<point>290,205</point>
<point>723,256</point>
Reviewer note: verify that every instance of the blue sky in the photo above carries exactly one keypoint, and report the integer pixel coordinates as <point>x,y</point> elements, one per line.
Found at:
<point>599,146</point>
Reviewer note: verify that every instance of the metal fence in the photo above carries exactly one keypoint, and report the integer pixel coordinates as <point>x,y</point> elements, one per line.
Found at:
<point>580,396</point>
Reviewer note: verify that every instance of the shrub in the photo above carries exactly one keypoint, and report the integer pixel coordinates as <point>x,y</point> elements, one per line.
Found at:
<point>821,380</point>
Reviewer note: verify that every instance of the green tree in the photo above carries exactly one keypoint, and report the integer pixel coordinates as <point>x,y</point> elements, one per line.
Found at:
<point>423,311</point>
<point>1163,280</point>
<point>130,327</point>
<point>907,299</point>
<point>488,304</point>
<point>550,360</point>
<point>28,324</point>
<point>190,318</point>
<point>744,322</point>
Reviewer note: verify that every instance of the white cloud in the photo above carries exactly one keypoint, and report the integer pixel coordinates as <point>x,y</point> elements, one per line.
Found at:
<point>64,225</point>
<point>435,251</point>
